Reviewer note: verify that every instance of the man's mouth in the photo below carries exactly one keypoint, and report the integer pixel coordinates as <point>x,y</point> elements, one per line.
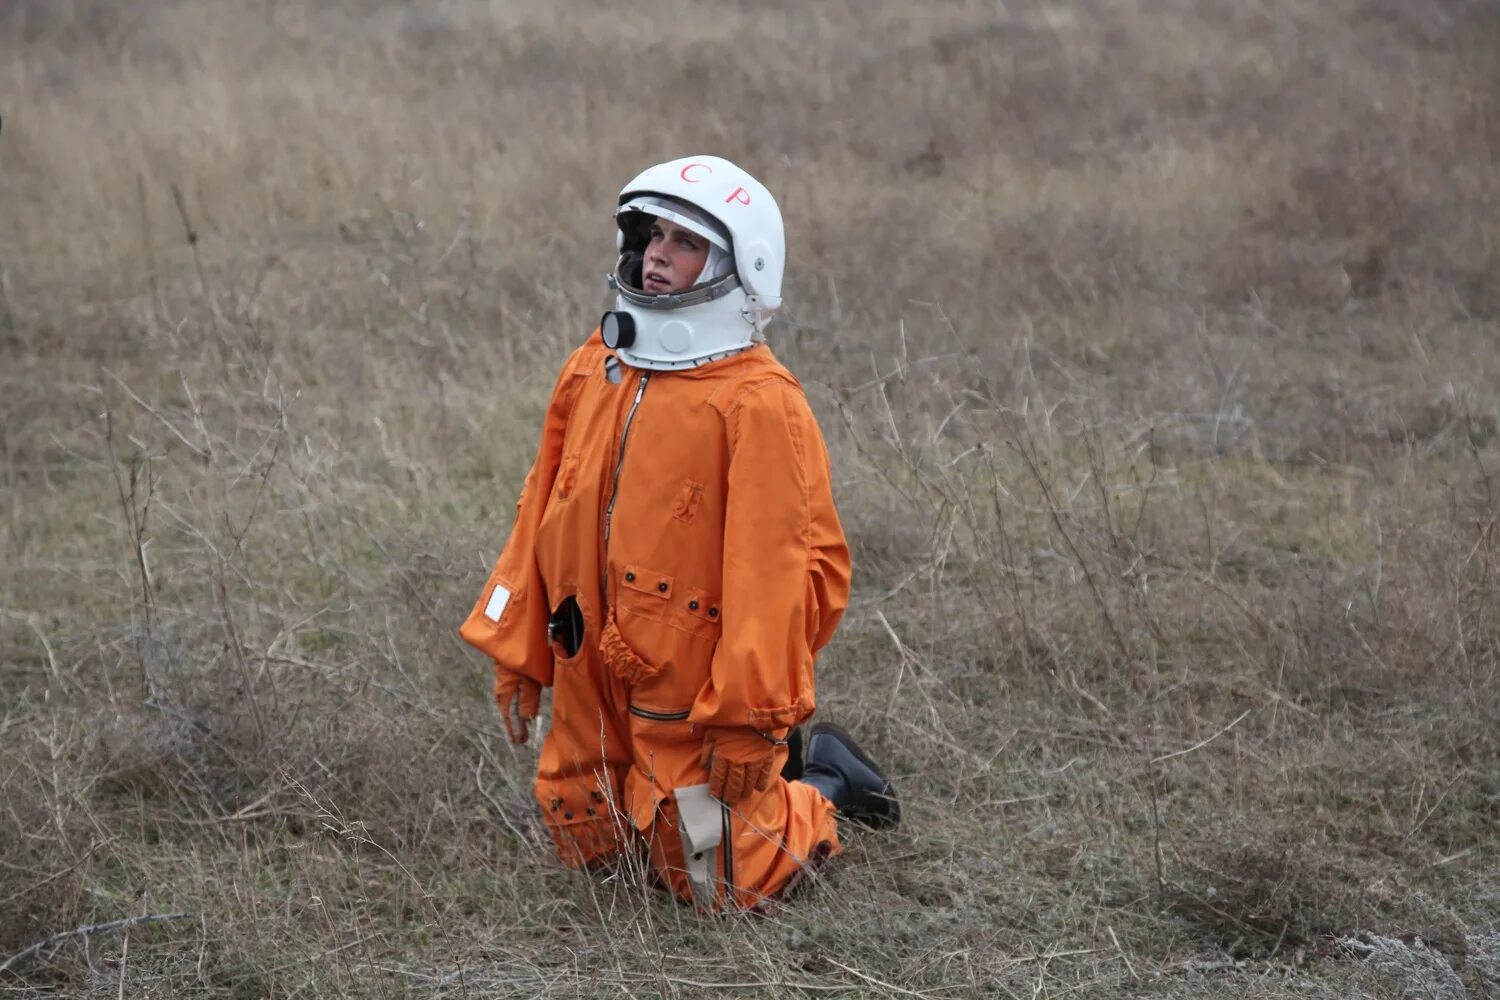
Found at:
<point>655,281</point>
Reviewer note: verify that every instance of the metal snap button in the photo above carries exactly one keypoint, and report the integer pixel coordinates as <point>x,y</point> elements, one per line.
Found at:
<point>713,612</point>
<point>692,605</point>
<point>630,578</point>
<point>662,586</point>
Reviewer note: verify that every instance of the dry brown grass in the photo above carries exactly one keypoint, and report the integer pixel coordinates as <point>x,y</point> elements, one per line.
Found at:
<point>1156,347</point>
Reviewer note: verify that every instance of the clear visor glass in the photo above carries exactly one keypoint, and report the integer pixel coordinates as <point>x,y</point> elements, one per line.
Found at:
<point>683,216</point>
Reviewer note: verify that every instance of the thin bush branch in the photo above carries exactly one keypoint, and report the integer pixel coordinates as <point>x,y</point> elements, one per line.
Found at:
<point>89,931</point>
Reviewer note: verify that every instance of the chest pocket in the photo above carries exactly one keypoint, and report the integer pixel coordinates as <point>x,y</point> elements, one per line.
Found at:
<point>567,476</point>
<point>667,631</point>
<point>688,498</point>
<point>660,597</point>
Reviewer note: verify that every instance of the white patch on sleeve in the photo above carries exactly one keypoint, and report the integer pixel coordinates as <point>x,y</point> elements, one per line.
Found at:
<point>495,606</point>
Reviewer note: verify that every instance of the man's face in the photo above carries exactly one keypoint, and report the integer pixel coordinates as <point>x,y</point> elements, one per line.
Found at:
<point>673,259</point>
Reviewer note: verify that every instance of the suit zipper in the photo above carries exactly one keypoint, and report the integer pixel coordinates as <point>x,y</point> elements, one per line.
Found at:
<point>646,713</point>
<point>614,488</point>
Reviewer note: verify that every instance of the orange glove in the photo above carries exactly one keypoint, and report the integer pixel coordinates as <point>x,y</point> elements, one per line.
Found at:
<point>519,698</point>
<point>739,761</point>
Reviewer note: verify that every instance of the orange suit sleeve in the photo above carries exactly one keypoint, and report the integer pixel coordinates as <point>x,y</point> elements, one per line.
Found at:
<point>785,565</point>
<point>509,620</point>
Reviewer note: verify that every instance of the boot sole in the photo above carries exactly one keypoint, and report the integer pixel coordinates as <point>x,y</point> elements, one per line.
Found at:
<point>891,816</point>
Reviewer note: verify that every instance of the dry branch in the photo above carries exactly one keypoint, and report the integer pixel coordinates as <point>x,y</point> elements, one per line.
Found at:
<point>90,931</point>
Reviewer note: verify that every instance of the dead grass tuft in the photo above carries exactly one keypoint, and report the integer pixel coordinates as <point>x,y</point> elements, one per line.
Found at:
<point>1263,893</point>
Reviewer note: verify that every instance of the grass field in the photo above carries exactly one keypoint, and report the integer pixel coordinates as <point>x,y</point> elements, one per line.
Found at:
<point>1157,346</point>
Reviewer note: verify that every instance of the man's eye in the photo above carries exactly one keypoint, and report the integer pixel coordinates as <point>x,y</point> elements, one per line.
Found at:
<point>687,244</point>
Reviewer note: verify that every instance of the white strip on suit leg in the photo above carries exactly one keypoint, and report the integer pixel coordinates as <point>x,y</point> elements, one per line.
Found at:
<point>700,822</point>
<point>495,606</point>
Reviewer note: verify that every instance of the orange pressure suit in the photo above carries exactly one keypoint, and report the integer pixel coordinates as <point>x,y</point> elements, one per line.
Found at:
<point>689,515</point>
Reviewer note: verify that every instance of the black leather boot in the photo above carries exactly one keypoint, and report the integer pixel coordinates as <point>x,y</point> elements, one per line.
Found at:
<point>839,769</point>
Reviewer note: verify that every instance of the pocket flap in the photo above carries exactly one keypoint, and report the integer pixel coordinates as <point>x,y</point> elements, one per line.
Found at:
<point>702,604</point>
<point>646,581</point>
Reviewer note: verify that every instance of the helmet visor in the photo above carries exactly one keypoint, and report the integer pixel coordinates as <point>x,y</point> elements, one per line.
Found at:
<point>634,219</point>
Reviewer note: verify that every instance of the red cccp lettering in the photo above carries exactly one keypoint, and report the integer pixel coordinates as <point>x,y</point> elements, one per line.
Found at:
<point>683,173</point>
<point>740,195</point>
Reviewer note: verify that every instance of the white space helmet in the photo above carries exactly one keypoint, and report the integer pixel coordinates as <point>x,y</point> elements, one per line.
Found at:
<point>739,289</point>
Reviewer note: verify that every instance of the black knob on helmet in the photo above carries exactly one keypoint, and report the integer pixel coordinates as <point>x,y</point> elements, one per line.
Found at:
<point>617,329</point>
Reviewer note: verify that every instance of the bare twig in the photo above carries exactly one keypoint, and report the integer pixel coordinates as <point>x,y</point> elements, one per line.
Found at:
<point>124,963</point>
<point>61,872</point>
<point>1053,510</point>
<point>32,622</point>
<point>521,838</point>
<point>136,519</point>
<point>156,299</point>
<point>755,984</point>
<point>1120,948</point>
<point>1161,875</point>
<point>1202,743</point>
<point>877,982</point>
<point>90,931</point>
<point>202,453</point>
<point>191,235</point>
